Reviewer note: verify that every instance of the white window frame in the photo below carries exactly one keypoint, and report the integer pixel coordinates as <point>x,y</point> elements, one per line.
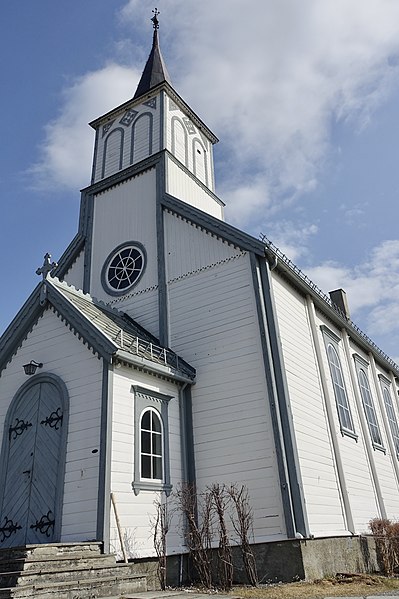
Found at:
<point>368,403</point>
<point>145,399</point>
<point>345,418</point>
<point>390,412</point>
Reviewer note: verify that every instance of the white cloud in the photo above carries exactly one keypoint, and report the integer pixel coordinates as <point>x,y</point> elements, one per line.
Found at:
<point>270,78</point>
<point>372,285</point>
<point>66,152</point>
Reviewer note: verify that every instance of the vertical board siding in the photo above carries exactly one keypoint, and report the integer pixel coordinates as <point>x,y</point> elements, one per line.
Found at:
<point>183,187</point>
<point>125,213</point>
<point>353,453</point>
<point>62,354</point>
<point>143,145</point>
<point>214,326</point>
<point>180,132</point>
<point>318,470</point>
<point>137,512</point>
<point>74,276</point>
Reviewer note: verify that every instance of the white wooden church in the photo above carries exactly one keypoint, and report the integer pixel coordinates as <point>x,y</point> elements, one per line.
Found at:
<point>167,346</point>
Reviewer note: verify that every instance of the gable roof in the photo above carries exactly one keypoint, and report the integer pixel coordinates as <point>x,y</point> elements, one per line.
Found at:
<point>107,331</point>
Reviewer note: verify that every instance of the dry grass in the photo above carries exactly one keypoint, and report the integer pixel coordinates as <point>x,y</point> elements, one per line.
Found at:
<point>339,586</point>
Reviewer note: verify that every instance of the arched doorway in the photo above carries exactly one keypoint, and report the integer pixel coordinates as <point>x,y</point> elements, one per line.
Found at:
<point>33,463</point>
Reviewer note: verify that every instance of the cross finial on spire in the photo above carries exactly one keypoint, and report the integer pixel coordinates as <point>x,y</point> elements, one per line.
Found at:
<point>47,267</point>
<point>155,18</point>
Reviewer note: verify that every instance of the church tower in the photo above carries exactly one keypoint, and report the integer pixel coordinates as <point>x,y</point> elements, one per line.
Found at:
<point>150,147</point>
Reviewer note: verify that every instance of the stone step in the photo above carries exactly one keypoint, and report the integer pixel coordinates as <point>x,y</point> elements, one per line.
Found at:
<point>90,588</point>
<point>51,550</point>
<point>48,564</point>
<point>64,573</point>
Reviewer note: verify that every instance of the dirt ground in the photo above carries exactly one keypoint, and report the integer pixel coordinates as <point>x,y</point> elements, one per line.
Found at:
<point>340,586</point>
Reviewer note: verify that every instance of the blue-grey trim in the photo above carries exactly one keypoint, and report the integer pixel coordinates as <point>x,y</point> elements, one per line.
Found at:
<point>330,333</point>
<point>163,310</point>
<point>218,227</point>
<point>114,292</point>
<point>69,256</point>
<point>88,248</point>
<point>95,154</point>
<point>172,94</point>
<point>122,141</point>
<point>150,134</point>
<point>284,403</point>
<point>384,379</point>
<point>104,482</point>
<point>42,377</point>
<point>197,181</point>
<point>145,398</point>
<point>173,136</point>
<point>19,327</point>
<point>273,402</point>
<point>187,434</point>
<point>162,121</point>
<point>121,176</point>
<point>198,141</point>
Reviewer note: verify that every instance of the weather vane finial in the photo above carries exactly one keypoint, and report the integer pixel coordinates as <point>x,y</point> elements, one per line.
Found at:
<point>155,18</point>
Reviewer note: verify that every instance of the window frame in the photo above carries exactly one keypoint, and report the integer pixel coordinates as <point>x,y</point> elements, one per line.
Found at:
<point>152,453</point>
<point>332,341</point>
<point>368,403</point>
<point>393,422</point>
<point>144,400</point>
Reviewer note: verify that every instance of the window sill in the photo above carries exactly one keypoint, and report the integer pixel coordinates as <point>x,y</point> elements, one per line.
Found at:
<point>347,433</point>
<point>141,485</point>
<point>379,448</point>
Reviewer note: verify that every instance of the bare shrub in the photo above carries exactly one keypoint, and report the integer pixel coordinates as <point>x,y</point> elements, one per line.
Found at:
<point>386,535</point>
<point>243,526</point>
<point>160,529</point>
<point>220,499</point>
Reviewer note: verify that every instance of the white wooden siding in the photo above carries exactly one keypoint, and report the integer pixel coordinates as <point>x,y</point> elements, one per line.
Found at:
<point>126,212</point>
<point>62,354</point>
<point>183,187</point>
<point>143,146</point>
<point>190,249</point>
<point>136,512</point>
<point>353,453</point>
<point>74,276</point>
<point>142,306</point>
<point>180,133</point>
<point>315,453</point>
<point>213,323</point>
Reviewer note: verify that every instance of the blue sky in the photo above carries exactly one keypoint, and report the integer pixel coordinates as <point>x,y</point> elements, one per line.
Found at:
<point>303,96</point>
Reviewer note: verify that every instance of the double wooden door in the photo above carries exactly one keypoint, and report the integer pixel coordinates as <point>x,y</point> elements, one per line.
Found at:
<point>32,456</point>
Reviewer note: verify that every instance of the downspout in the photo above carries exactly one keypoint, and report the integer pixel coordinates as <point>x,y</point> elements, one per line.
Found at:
<point>363,425</point>
<point>384,417</point>
<point>330,417</point>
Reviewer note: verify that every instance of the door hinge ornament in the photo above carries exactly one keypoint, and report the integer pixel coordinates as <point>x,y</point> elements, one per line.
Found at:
<point>54,420</point>
<point>44,524</point>
<point>8,529</point>
<point>18,429</point>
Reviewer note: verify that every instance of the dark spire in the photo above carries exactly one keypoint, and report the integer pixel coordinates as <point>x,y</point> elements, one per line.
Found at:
<point>155,71</point>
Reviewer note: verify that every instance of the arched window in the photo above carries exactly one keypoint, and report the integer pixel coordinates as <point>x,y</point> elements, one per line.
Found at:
<point>393,423</point>
<point>369,408</point>
<point>344,413</point>
<point>151,445</point>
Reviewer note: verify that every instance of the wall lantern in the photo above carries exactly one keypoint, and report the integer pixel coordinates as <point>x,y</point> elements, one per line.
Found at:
<point>32,367</point>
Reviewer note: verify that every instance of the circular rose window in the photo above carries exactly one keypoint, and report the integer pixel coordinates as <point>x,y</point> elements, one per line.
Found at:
<point>123,268</point>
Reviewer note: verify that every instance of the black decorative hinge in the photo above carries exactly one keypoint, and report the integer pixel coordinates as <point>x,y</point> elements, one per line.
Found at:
<point>18,429</point>
<point>8,529</point>
<point>54,420</point>
<point>44,524</point>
